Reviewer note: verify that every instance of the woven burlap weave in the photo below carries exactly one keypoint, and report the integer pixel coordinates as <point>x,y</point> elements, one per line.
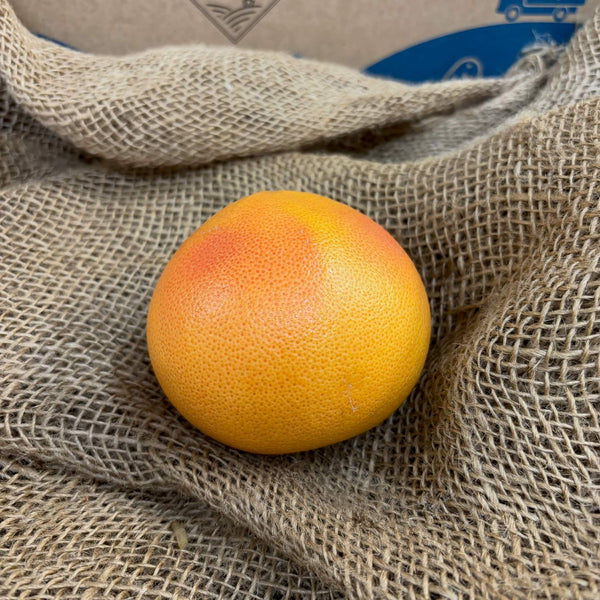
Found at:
<point>485,484</point>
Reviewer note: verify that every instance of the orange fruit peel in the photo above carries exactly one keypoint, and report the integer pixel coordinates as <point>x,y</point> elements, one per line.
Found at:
<point>286,322</point>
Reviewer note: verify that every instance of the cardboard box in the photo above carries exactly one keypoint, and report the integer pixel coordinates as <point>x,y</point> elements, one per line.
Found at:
<point>409,40</point>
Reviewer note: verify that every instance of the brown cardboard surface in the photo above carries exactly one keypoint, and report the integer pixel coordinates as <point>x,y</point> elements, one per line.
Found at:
<point>352,32</point>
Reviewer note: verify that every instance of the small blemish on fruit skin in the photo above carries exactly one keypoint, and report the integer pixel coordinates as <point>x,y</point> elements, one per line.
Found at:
<point>353,406</point>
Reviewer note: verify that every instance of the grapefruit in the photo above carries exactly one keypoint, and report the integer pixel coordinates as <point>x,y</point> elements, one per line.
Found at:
<point>288,321</point>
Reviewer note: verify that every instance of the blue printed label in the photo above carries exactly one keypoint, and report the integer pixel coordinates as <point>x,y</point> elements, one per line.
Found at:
<point>487,51</point>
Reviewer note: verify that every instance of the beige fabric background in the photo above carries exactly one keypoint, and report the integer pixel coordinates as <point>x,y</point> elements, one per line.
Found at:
<point>485,484</point>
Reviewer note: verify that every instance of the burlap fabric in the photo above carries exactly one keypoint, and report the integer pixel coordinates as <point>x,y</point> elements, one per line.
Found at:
<point>485,484</point>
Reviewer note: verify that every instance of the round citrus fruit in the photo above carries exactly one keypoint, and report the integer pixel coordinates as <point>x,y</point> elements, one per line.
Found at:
<point>287,322</point>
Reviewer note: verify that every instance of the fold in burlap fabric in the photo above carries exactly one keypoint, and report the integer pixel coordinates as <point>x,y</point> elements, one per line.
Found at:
<point>484,484</point>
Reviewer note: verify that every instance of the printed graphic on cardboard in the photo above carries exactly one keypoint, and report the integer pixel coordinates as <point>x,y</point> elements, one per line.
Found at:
<point>234,18</point>
<point>480,52</point>
<point>557,9</point>
<point>487,51</point>
<point>468,66</point>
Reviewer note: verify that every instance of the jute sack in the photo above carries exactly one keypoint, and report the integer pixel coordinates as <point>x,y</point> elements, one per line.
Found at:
<point>485,484</point>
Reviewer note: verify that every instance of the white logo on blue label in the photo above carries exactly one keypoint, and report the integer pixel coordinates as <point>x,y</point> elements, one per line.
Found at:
<point>487,51</point>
